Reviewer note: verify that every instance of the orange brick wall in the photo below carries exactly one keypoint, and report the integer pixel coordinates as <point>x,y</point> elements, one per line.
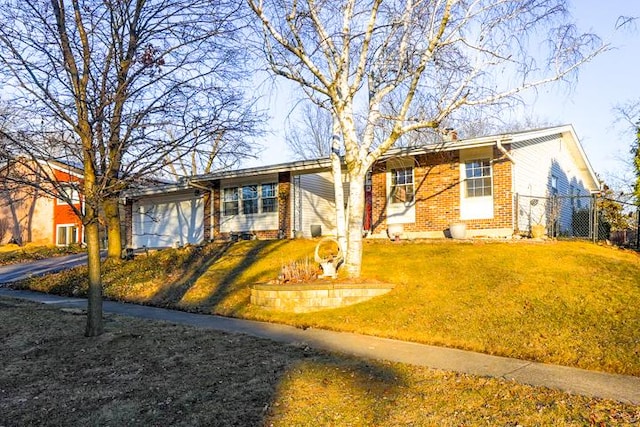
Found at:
<point>437,194</point>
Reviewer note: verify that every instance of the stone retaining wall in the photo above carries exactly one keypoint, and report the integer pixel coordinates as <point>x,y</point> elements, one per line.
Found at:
<point>313,297</point>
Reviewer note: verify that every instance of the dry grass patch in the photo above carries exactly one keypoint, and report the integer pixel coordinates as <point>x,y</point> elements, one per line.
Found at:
<point>142,372</point>
<point>569,303</point>
<point>12,254</point>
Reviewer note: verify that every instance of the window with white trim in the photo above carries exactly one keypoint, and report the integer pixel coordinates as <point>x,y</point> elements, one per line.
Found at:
<point>402,185</point>
<point>478,178</point>
<point>70,193</point>
<point>230,201</point>
<point>66,234</point>
<point>250,199</point>
<point>268,197</point>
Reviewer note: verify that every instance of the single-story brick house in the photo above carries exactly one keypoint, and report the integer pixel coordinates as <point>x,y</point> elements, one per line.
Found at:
<point>419,190</point>
<point>32,213</point>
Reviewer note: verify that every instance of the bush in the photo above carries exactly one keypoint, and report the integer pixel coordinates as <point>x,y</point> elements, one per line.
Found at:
<point>299,271</point>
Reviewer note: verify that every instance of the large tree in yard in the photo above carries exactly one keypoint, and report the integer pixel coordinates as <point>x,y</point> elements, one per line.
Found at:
<point>629,114</point>
<point>389,68</point>
<point>126,86</point>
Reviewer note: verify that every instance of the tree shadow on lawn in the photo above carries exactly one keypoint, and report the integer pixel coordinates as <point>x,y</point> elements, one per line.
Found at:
<point>142,372</point>
<point>207,296</point>
<point>196,265</point>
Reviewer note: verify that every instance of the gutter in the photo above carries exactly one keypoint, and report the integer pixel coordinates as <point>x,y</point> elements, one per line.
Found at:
<point>504,151</point>
<point>198,186</point>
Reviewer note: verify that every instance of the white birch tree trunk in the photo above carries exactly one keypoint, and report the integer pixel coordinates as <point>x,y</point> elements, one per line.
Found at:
<point>353,258</point>
<point>425,64</point>
<point>338,189</point>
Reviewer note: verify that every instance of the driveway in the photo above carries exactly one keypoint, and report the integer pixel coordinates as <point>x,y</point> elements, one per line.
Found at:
<point>15,272</point>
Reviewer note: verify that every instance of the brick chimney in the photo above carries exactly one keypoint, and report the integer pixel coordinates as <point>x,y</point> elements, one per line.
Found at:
<point>450,135</point>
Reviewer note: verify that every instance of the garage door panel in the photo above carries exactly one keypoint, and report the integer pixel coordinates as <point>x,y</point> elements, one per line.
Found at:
<point>165,223</point>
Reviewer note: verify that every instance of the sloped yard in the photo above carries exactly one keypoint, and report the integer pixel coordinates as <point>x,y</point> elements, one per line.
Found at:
<point>11,253</point>
<point>570,303</point>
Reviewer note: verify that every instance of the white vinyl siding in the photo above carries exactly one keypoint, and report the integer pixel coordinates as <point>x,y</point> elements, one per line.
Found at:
<point>546,167</point>
<point>313,203</point>
<point>538,162</point>
<point>166,221</point>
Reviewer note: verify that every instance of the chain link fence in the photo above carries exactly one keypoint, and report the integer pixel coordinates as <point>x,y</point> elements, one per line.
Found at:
<point>593,217</point>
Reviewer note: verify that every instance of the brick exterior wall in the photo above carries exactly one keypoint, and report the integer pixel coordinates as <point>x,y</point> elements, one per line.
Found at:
<point>284,204</point>
<point>215,189</point>
<point>437,194</point>
<point>378,197</point>
<point>259,234</point>
<point>206,221</point>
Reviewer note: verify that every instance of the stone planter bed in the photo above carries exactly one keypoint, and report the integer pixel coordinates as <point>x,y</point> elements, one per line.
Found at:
<point>305,298</point>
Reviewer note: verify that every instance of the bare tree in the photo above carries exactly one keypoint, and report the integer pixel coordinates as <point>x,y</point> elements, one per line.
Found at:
<point>410,65</point>
<point>629,114</point>
<point>225,144</point>
<point>310,136</point>
<point>130,85</point>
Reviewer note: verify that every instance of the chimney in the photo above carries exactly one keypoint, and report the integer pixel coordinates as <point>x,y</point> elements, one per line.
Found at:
<point>450,135</point>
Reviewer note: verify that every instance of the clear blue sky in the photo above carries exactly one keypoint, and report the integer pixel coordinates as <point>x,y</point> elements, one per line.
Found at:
<point>607,81</point>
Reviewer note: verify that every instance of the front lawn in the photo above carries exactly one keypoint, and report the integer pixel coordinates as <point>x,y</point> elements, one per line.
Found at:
<point>12,254</point>
<point>569,303</point>
<point>143,372</point>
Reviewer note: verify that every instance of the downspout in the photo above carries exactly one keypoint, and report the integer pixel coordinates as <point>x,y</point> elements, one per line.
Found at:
<point>504,151</point>
<point>199,186</point>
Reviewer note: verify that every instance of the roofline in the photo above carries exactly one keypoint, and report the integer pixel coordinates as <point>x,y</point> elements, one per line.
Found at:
<point>61,166</point>
<point>156,189</point>
<point>296,166</point>
<point>587,163</point>
<point>325,163</point>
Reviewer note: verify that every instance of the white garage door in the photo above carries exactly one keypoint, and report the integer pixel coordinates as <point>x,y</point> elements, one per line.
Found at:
<point>167,221</point>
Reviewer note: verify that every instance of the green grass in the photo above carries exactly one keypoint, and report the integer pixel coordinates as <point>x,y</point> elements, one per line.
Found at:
<point>569,303</point>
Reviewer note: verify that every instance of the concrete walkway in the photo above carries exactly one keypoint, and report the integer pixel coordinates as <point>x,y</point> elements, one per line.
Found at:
<point>577,381</point>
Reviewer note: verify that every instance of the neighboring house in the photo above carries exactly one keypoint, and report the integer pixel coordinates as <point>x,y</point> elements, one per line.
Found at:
<point>33,213</point>
<point>419,191</point>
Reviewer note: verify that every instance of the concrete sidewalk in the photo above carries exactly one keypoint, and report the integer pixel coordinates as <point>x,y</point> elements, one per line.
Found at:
<point>577,381</point>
